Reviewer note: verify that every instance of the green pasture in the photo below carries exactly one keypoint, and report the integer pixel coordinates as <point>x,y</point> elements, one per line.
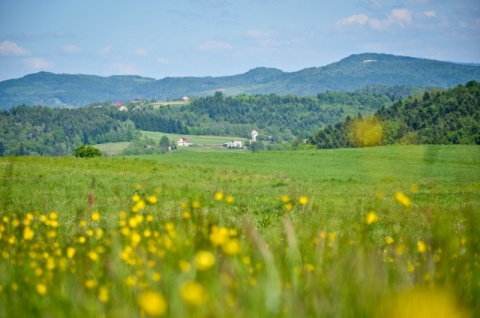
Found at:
<point>202,143</point>
<point>372,232</point>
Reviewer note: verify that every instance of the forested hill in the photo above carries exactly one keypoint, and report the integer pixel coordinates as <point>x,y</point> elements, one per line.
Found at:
<point>41,130</point>
<point>349,74</point>
<point>436,117</point>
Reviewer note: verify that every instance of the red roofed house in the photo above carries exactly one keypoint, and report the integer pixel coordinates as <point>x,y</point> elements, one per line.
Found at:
<point>183,142</point>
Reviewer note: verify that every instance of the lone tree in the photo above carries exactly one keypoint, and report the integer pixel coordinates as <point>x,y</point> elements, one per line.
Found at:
<point>164,142</point>
<point>87,152</point>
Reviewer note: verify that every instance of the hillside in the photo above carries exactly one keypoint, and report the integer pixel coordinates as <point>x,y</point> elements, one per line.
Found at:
<point>436,117</point>
<point>349,74</point>
<point>42,130</point>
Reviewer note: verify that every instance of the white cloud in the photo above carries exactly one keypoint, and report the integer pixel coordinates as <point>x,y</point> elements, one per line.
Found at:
<point>397,17</point>
<point>141,52</point>
<point>430,14</point>
<point>70,48</point>
<point>38,64</point>
<point>106,50</point>
<point>8,48</point>
<point>213,46</point>
<point>401,16</point>
<point>357,18</point>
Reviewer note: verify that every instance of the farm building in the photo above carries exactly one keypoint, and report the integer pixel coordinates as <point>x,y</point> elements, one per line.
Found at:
<point>233,144</point>
<point>183,142</point>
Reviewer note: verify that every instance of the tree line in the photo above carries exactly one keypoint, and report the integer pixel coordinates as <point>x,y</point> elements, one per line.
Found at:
<point>434,117</point>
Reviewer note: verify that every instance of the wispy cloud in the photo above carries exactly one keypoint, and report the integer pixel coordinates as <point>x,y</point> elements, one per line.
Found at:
<point>141,52</point>
<point>214,46</point>
<point>397,17</point>
<point>71,49</point>
<point>106,50</point>
<point>430,14</point>
<point>38,64</point>
<point>354,19</point>
<point>8,48</point>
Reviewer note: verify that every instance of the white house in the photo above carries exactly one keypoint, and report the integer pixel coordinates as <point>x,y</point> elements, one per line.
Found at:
<point>254,134</point>
<point>186,98</point>
<point>183,142</point>
<point>233,144</point>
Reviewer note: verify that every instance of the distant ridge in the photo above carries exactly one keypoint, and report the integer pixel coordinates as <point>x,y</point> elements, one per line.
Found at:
<point>349,74</point>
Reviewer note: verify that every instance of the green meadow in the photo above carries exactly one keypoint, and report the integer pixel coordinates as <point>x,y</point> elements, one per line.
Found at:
<point>365,232</point>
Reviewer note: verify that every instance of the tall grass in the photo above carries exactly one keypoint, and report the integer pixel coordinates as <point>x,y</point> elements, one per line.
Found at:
<point>388,231</point>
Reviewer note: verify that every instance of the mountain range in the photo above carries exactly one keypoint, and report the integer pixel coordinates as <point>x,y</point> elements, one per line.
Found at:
<point>349,74</point>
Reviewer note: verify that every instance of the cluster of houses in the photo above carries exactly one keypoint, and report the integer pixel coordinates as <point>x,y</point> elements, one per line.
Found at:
<point>234,144</point>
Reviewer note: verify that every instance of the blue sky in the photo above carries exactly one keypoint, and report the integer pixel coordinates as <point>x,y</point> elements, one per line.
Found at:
<point>160,38</point>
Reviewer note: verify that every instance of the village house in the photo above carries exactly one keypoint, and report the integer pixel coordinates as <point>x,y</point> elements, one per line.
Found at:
<point>233,144</point>
<point>183,142</point>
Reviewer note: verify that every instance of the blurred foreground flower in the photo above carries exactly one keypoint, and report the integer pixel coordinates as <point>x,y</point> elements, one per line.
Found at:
<point>371,218</point>
<point>152,303</point>
<point>422,302</point>
<point>193,293</point>
<point>403,199</point>
<point>204,260</point>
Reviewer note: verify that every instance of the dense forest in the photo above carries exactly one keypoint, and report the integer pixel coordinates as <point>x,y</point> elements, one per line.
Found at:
<point>281,117</point>
<point>434,117</point>
<point>45,131</point>
<point>55,132</point>
<point>328,120</point>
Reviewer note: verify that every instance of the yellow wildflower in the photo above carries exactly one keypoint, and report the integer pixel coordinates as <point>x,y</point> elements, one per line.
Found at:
<point>70,252</point>
<point>184,266</point>
<point>195,204</point>
<point>284,198</point>
<point>371,218</point>
<point>152,199</point>
<point>229,199</point>
<point>53,215</point>
<point>403,199</point>
<point>219,196</point>
<point>95,216</point>
<point>28,233</point>
<point>421,246</point>
<point>41,289</point>
<point>193,293</point>
<point>204,260</point>
<point>303,200</point>
<point>219,235</point>
<point>422,302</point>
<point>152,303</point>
<point>389,240</point>
<point>103,294</point>
<point>288,206</point>
<point>93,256</point>
<point>231,247</point>
<point>91,283</point>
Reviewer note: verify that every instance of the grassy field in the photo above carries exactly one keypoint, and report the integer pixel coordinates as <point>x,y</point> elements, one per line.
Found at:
<point>203,143</point>
<point>373,232</point>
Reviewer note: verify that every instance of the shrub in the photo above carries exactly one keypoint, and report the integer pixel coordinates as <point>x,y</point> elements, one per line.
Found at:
<point>87,152</point>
